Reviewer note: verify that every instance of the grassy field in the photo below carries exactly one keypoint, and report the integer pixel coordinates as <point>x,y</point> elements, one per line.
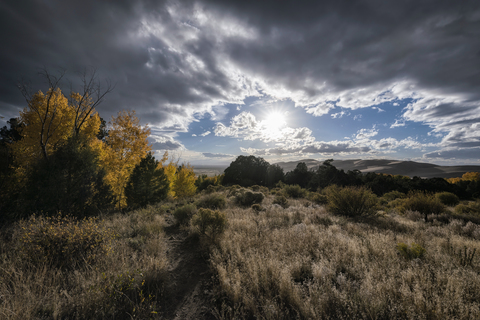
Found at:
<point>269,261</point>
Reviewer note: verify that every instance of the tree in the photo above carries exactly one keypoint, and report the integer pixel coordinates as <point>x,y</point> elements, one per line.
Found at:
<point>274,175</point>
<point>247,171</point>
<point>300,175</point>
<point>126,145</point>
<point>184,184</point>
<point>71,181</point>
<point>148,183</point>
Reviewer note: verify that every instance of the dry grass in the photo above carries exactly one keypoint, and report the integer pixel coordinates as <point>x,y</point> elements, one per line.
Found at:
<point>124,284</point>
<point>303,263</point>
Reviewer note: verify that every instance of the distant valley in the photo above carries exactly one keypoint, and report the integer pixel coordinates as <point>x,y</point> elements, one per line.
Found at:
<point>406,168</point>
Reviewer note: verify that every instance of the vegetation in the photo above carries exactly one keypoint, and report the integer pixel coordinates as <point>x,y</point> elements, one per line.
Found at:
<point>147,184</point>
<point>351,201</point>
<point>281,246</point>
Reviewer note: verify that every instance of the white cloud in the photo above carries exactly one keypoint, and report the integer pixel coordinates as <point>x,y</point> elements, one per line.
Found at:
<point>205,134</point>
<point>398,123</point>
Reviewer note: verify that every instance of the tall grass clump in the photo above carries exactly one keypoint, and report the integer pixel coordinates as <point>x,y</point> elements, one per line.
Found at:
<point>63,241</point>
<point>448,198</point>
<point>351,201</point>
<point>212,201</point>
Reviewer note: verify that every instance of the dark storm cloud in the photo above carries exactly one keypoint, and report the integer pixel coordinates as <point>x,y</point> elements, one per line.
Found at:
<point>171,60</point>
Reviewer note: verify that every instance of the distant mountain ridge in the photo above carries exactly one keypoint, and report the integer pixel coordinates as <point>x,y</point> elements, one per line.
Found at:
<point>406,168</point>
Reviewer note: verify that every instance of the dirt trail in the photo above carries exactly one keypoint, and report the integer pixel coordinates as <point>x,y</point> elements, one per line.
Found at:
<point>187,293</point>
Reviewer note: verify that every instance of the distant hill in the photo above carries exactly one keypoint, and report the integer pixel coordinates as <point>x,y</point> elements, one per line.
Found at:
<point>406,168</point>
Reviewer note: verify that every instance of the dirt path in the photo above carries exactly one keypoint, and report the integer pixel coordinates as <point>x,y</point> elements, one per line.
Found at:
<point>187,293</point>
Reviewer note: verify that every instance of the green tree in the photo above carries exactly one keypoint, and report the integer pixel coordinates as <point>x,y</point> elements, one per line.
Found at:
<point>247,171</point>
<point>71,181</point>
<point>148,183</point>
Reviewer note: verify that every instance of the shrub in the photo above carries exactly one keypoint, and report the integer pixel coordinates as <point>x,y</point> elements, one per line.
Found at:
<point>295,191</point>
<point>64,241</point>
<point>415,251</point>
<point>472,208</point>
<point>212,201</point>
<point>422,202</point>
<point>351,201</point>
<point>248,198</point>
<point>448,198</point>
<point>209,222</point>
<point>257,207</point>
<point>317,198</point>
<point>280,199</point>
<point>184,214</point>
<point>392,195</point>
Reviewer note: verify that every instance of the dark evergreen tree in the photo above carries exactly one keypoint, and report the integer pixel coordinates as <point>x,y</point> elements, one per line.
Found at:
<point>148,183</point>
<point>247,171</point>
<point>71,182</point>
<point>274,175</point>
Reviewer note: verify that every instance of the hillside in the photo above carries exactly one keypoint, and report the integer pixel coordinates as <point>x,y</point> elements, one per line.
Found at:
<point>406,168</point>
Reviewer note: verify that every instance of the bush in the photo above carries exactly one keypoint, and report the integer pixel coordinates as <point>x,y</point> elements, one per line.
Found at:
<point>208,222</point>
<point>280,199</point>
<point>472,208</point>
<point>247,198</point>
<point>422,202</point>
<point>212,201</point>
<point>295,191</point>
<point>448,198</point>
<point>184,213</point>
<point>317,198</point>
<point>393,195</point>
<point>415,251</point>
<point>351,201</point>
<point>257,208</point>
<point>63,241</point>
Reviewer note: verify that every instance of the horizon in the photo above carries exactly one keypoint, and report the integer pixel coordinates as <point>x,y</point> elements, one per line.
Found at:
<point>215,80</point>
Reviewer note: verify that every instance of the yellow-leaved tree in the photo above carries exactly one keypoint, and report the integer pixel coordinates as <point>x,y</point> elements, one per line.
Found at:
<point>47,123</point>
<point>181,179</point>
<point>126,145</point>
<point>184,184</point>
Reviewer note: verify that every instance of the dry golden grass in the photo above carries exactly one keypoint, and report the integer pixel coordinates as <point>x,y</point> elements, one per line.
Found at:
<point>120,285</point>
<point>303,263</point>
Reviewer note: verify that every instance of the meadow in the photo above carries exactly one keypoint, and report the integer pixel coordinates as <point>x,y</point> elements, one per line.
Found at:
<point>278,253</point>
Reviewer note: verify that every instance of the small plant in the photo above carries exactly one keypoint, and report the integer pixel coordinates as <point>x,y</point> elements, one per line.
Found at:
<point>247,198</point>
<point>184,214</point>
<point>209,222</point>
<point>415,251</point>
<point>295,191</point>
<point>448,198</point>
<point>281,200</point>
<point>212,201</point>
<point>64,241</point>
<point>351,201</point>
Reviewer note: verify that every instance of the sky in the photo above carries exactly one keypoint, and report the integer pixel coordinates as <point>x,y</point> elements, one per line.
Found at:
<point>283,80</point>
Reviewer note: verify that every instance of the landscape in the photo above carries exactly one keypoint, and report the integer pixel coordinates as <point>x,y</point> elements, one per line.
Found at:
<point>267,160</point>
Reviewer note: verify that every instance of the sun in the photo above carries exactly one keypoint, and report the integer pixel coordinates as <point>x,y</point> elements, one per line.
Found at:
<point>274,121</point>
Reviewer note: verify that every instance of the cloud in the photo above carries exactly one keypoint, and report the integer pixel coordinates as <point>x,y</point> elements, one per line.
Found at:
<point>340,114</point>
<point>366,133</point>
<point>398,123</point>
<point>205,134</point>
<point>175,62</point>
<point>471,153</point>
<point>216,155</point>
